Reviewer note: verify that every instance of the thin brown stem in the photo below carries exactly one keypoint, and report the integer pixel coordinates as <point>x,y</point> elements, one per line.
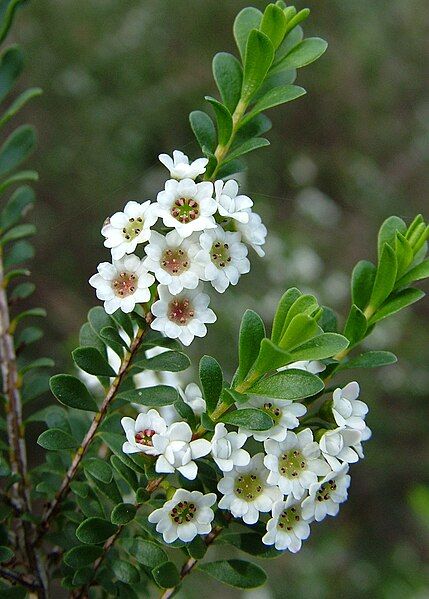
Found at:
<point>24,580</point>
<point>20,491</point>
<point>190,564</point>
<point>53,507</point>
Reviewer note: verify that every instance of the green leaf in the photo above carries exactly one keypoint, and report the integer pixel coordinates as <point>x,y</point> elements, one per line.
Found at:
<point>170,361</point>
<point>249,542</point>
<point>166,575</point>
<point>292,384</point>
<point>6,554</point>
<point>246,20</point>
<point>147,553</point>
<point>274,24</point>
<point>270,357</point>
<point>204,129</point>
<point>246,147</point>
<point>303,54</point>
<point>387,232</point>
<point>38,363</point>
<point>417,273</point>
<point>18,205</point>
<point>92,361</point>
<point>249,418</point>
<point>304,304</point>
<point>98,319</point>
<point>185,411</point>
<point>259,57</point>
<point>296,19</point>
<point>7,9</point>
<point>211,381</point>
<point>125,571</point>
<point>115,441</point>
<point>283,307</point>
<point>252,331</point>
<point>16,148</point>
<point>125,322</point>
<point>124,471</point>
<point>197,548</point>
<point>22,291</point>
<point>95,530</point>
<point>370,359</point>
<point>19,103</point>
<point>385,277</point>
<point>223,120</point>
<point>397,302</point>
<point>89,338</point>
<point>71,392</point>
<point>363,277</point>
<point>99,469</point>
<point>301,328</point>
<point>161,395</point>
<point>235,573</point>
<point>55,438</point>
<point>19,177</point>
<point>123,513</point>
<point>110,335</point>
<point>356,325</point>
<point>18,232</point>
<point>11,65</point>
<point>82,555</point>
<point>228,75</point>
<point>321,347</point>
<point>19,252</point>
<point>404,253</point>
<point>275,97</point>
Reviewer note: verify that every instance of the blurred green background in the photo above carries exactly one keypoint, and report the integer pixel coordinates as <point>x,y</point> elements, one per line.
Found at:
<point>119,80</point>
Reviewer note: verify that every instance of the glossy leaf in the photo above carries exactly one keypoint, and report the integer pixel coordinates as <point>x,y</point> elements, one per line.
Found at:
<point>170,361</point>
<point>397,302</point>
<point>204,129</point>
<point>356,325</point>
<point>95,530</point>
<point>125,572</point>
<point>228,75</point>
<point>370,359</point>
<point>385,277</point>
<point>123,513</point>
<point>235,573</point>
<point>246,147</point>
<point>211,381</point>
<point>99,469</point>
<point>246,20</point>
<point>55,439</point>
<point>417,273</point>
<point>147,553</point>
<point>249,418</point>
<point>19,103</point>
<point>252,331</point>
<point>387,232</point>
<point>11,64</point>
<point>92,361</point>
<point>166,575</point>
<point>82,555</point>
<point>304,53</point>
<point>71,392</point>
<point>283,307</point>
<point>16,148</point>
<point>292,384</point>
<point>274,24</point>
<point>223,120</point>
<point>363,277</point>
<point>275,97</point>
<point>17,206</point>
<point>320,347</point>
<point>18,232</point>
<point>161,395</point>
<point>258,59</point>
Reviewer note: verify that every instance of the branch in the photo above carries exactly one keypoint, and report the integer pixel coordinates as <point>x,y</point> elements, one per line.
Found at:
<point>21,579</point>
<point>53,507</point>
<point>15,432</point>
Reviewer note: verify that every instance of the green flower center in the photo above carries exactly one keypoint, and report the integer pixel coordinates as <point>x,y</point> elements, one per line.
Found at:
<point>220,254</point>
<point>292,463</point>
<point>273,411</point>
<point>324,493</point>
<point>289,518</point>
<point>185,209</point>
<point>180,311</point>
<point>248,487</point>
<point>175,261</point>
<point>183,512</point>
<point>125,284</point>
<point>134,228</point>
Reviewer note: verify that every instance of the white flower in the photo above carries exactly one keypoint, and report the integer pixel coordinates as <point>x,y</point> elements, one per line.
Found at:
<point>284,412</point>
<point>177,450</point>
<point>187,206</point>
<point>172,260</point>
<point>125,230</point>
<point>182,316</point>
<point>246,491</point>
<point>122,284</point>
<point>325,496</point>
<point>341,445</point>
<point>312,366</point>
<point>179,166</point>
<point>185,516</point>
<point>192,396</point>
<point>253,232</point>
<point>294,463</point>
<point>347,409</point>
<point>140,432</point>
<point>230,204</point>
<point>223,258</point>
<point>227,449</point>
<point>287,528</point>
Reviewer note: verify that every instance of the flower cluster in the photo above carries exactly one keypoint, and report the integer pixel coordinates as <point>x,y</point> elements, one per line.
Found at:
<point>209,227</point>
<point>300,475</point>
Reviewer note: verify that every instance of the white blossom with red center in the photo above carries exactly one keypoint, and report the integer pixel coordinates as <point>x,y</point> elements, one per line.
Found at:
<point>187,206</point>
<point>140,432</point>
<point>172,260</point>
<point>122,284</point>
<point>125,230</point>
<point>179,165</point>
<point>223,258</point>
<point>183,316</point>
<point>229,203</point>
